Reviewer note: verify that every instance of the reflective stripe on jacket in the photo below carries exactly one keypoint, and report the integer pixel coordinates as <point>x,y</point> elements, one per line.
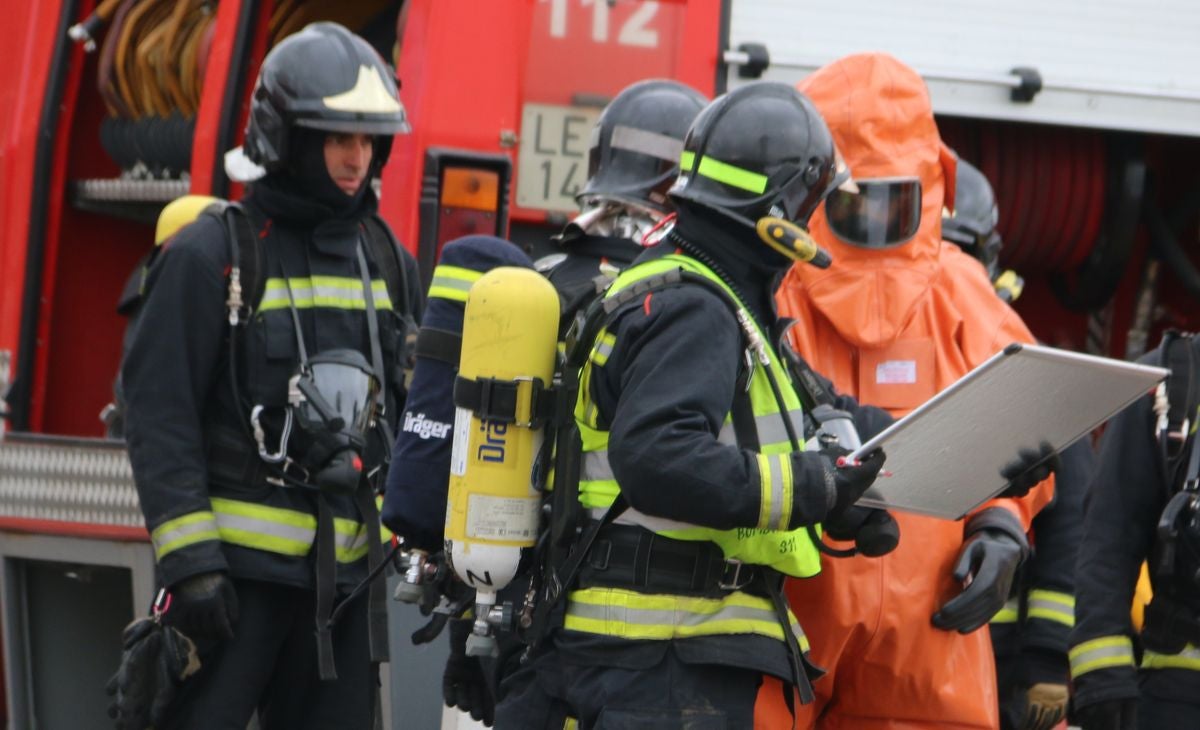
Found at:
<point>1103,652</point>
<point>769,542</point>
<point>633,615</point>
<point>260,527</point>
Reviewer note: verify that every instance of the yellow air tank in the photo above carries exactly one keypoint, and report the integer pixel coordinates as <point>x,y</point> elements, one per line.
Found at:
<point>510,333</point>
<point>178,213</point>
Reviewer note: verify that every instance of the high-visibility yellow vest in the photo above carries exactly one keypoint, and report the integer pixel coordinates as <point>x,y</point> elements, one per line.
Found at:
<point>636,615</point>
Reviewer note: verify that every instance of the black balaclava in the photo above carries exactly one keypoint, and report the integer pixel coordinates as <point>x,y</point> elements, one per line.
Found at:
<point>734,251</point>
<point>303,193</point>
<point>312,175</point>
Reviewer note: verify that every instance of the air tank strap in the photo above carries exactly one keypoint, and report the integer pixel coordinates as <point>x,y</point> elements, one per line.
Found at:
<point>436,344</point>
<point>527,402</point>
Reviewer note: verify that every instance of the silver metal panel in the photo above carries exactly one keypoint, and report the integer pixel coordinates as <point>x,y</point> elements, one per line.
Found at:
<point>25,656</point>
<point>1110,64</point>
<point>121,190</point>
<point>945,457</point>
<point>70,480</point>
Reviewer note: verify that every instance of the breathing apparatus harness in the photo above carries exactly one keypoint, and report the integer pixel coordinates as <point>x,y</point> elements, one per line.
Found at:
<point>825,426</point>
<point>564,547</point>
<point>335,398</point>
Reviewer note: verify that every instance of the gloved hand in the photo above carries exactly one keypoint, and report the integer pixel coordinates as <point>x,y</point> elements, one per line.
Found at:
<point>1107,715</point>
<point>994,548</point>
<point>1047,705</point>
<point>1030,468</point>
<point>874,531</point>
<point>204,606</point>
<point>443,596</point>
<point>464,684</point>
<point>155,659</point>
<point>815,472</point>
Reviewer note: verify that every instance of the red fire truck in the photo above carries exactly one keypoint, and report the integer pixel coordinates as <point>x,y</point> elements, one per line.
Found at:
<point>110,109</point>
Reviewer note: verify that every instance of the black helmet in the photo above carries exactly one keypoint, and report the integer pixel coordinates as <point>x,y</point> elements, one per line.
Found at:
<point>760,150</point>
<point>972,224</point>
<point>323,77</point>
<point>635,145</point>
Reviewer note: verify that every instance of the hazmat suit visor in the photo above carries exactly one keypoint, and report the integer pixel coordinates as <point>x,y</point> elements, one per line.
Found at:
<point>882,213</point>
<point>347,390</point>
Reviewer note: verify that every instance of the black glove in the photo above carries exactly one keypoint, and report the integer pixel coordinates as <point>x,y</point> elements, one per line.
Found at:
<point>204,606</point>
<point>1030,468</point>
<point>464,684</point>
<point>993,551</point>
<point>1107,715</point>
<point>826,489</point>
<point>155,659</point>
<point>874,532</point>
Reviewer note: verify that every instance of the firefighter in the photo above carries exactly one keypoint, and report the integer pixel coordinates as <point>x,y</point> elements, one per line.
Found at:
<point>972,227</point>
<point>633,160</point>
<point>1142,506</point>
<point>895,319</point>
<point>1029,635</point>
<point>693,479</point>
<point>257,431</point>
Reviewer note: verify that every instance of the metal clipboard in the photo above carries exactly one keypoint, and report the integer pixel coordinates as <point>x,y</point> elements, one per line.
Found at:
<point>944,458</point>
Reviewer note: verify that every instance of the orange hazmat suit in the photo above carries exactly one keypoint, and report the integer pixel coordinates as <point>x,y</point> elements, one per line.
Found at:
<point>892,327</point>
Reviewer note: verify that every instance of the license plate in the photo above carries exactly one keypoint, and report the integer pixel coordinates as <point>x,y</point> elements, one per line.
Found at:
<point>553,156</point>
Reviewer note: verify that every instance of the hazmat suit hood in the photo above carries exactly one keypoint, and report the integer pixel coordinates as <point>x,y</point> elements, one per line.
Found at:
<point>881,118</point>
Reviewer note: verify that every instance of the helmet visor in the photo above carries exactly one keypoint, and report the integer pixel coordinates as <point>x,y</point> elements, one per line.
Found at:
<point>637,166</point>
<point>364,125</point>
<point>883,213</point>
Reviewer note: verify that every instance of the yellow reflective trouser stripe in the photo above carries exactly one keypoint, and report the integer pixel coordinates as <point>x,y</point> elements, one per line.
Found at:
<point>1009,614</point>
<point>452,282</point>
<point>182,531</point>
<point>603,348</point>
<point>332,292</point>
<point>1189,658</point>
<point>1102,653</point>
<point>775,506</point>
<point>1052,606</point>
<point>725,173</point>
<point>630,615</point>
<point>570,724</point>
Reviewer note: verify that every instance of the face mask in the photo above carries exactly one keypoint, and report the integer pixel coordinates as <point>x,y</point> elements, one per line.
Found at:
<point>616,220</point>
<point>331,402</point>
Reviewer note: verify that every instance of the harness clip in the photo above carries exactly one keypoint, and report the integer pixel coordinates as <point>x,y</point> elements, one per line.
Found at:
<point>735,582</point>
